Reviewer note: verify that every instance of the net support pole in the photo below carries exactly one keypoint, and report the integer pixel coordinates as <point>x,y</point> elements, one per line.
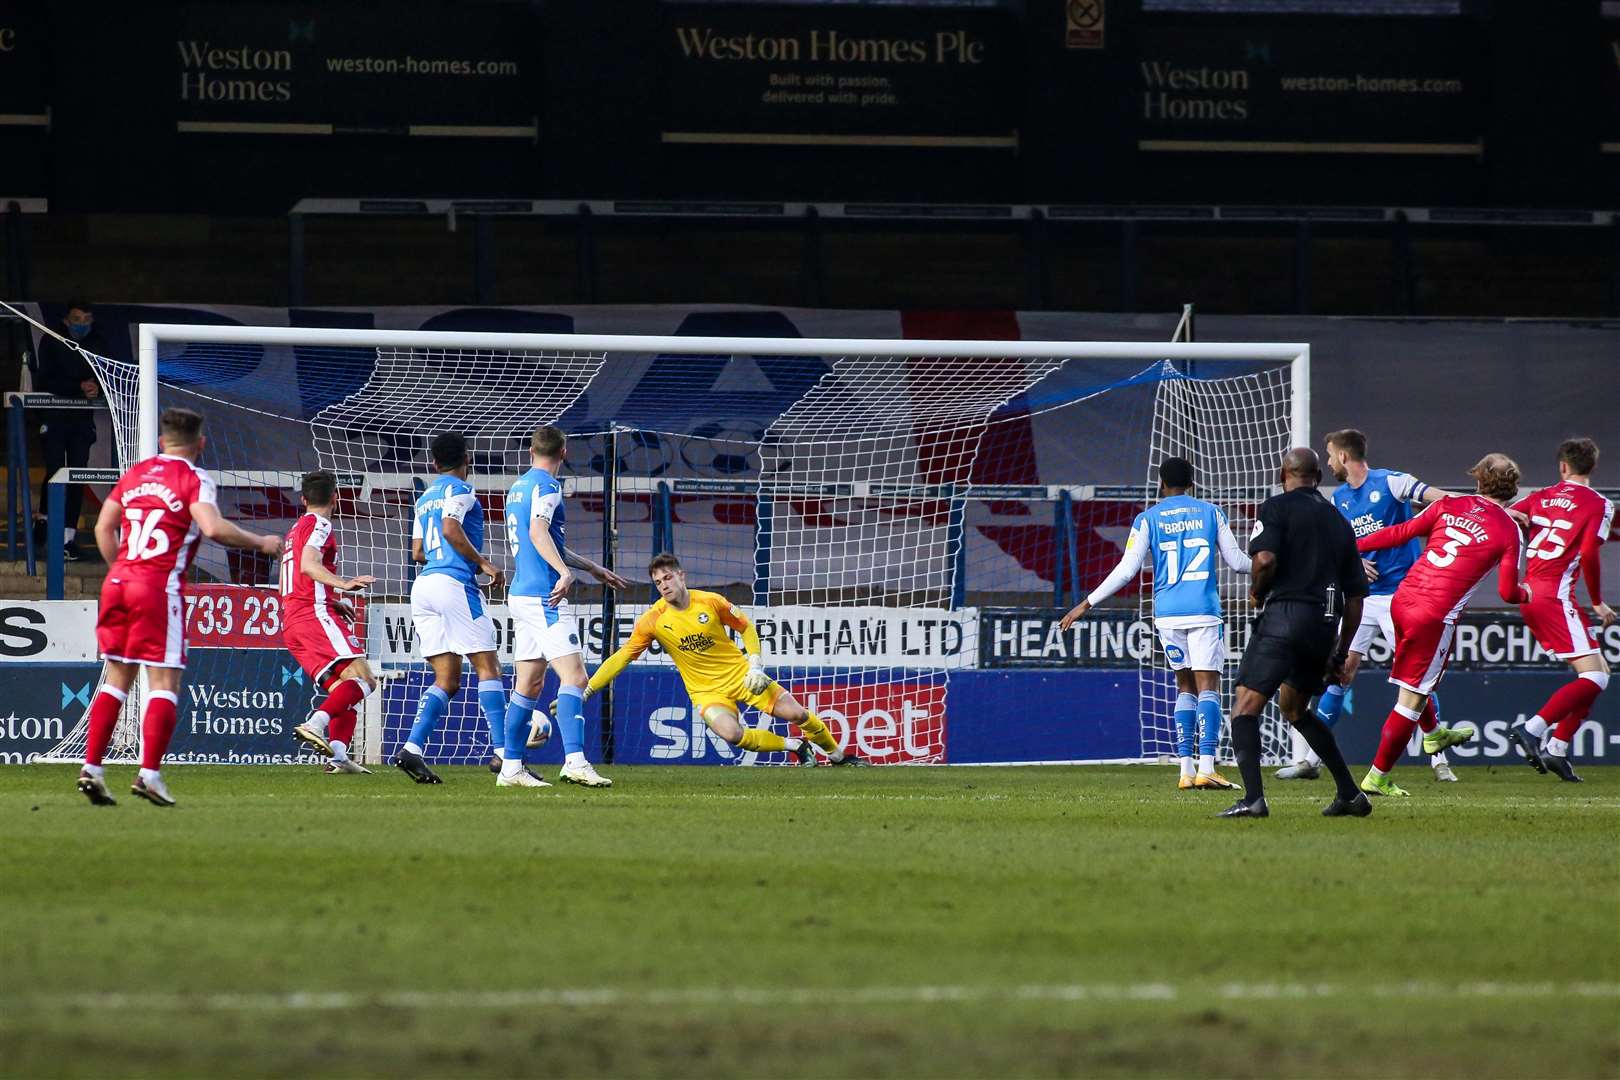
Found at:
<point>146,392</point>
<point>16,456</point>
<point>763,512</point>
<point>610,616</point>
<point>958,539</point>
<point>1300,405</point>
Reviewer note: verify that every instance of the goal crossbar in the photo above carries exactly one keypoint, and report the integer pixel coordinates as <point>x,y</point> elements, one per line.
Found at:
<point>152,335</point>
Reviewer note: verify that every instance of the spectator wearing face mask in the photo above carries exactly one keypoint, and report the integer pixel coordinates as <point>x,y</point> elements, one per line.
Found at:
<point>68,433</point>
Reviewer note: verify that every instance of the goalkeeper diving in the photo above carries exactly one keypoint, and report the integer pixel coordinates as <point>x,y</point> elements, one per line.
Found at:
<point>691,626</point>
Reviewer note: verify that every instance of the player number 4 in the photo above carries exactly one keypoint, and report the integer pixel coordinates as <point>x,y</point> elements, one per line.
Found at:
<point>1549,543</point>
<point>145,542</point>
<point>1197,558</point>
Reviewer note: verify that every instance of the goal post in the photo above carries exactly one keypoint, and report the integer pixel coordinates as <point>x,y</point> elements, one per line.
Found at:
<point>881,490</point>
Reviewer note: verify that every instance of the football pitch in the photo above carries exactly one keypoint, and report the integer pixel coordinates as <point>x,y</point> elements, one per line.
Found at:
<point>785,922</point>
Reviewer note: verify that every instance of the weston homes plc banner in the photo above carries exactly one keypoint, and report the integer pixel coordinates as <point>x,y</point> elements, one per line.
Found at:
<point>408,70</point>
<point>845,76</point>
<point>1347,86</point>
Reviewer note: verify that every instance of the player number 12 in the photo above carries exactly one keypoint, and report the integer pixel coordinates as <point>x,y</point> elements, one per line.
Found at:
<point>1197,556</point>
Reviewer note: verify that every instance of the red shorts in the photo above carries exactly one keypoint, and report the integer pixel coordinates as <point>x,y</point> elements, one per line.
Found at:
<point>1421,648</point>
<point>1560,627</point>
<point>141,622</point>
<point>319,642</point>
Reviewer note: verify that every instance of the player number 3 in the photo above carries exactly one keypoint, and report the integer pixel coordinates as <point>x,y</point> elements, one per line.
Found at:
<point>1452,547</point>
<point>145,541</point>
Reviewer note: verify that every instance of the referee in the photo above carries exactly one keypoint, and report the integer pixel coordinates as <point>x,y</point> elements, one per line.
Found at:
<point>1309,580</point>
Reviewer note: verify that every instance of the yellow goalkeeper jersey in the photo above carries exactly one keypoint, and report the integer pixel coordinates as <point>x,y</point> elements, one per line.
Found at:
<point>711,666</point>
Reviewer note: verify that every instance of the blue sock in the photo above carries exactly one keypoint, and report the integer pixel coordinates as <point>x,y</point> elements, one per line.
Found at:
<point>497,724</point>
<point>1332,700</point>
<point>428,713</point>
<point>570,724</point>
<point>1186,724</point>
<point>492,701</point>
<point>1209,719</point>
<point>517,726</point>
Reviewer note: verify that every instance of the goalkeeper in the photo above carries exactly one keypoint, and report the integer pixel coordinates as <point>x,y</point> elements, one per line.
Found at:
<point>691,626</point>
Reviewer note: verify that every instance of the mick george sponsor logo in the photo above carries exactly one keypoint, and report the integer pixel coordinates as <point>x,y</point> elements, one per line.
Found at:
<point>887,723</point>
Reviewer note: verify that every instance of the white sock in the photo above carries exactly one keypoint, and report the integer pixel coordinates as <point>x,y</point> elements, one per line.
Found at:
<point>151,774</point>
<point>318,720</point>
<point>1376,771</point>
<point>1439,759</point>
<point>94,770</point>
<point>68,534</point>
<point>412,748</point>
<point>500,752</point>
<point>1557,747</point>
<point>1536,726</point>
<point>792,744</point>
<point>1206,764</point>
<point>1188,768</point>
<point>576,758</point>
<point>340,750</point>
<point>511,768</point>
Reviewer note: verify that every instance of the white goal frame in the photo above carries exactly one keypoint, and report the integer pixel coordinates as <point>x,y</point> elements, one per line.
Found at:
<point>1296,354</point>
<point>151,336</point>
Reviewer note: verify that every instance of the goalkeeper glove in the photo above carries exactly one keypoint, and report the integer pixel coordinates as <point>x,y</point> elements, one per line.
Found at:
<point>756,680</point>
<point>583,698</point>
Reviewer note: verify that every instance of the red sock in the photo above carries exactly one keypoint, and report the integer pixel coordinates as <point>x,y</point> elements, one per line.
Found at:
<point>103,718</point>
<point>1564,699</point>
<point>157,728</point>
<point>1578,696</point>
<point>1397,733</point>
<point>1428,720</point>
<point>344,697</point>
<point>341,729</point>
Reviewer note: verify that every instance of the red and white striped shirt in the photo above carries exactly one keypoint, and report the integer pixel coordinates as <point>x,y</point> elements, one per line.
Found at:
<point>1567,523</point>
<point>304,598</point>
<point>158,538</point>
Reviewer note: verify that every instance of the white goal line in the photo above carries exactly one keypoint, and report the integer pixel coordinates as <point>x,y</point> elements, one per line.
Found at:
<point>781,997</point>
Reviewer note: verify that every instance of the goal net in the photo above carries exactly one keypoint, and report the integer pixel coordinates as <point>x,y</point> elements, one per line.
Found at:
<point>904,520</point>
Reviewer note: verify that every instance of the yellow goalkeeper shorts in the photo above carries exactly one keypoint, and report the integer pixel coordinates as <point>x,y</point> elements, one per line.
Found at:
<point>733,695</point>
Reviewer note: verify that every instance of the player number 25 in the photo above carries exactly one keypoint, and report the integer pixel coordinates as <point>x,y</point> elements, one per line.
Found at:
<point>1197,557</point>
<point>1549,543</point>
<point>1452,547</point>
<point>145,542</point>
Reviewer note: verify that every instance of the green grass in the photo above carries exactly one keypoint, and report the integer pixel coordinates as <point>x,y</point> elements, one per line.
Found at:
<point>776,922</point>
